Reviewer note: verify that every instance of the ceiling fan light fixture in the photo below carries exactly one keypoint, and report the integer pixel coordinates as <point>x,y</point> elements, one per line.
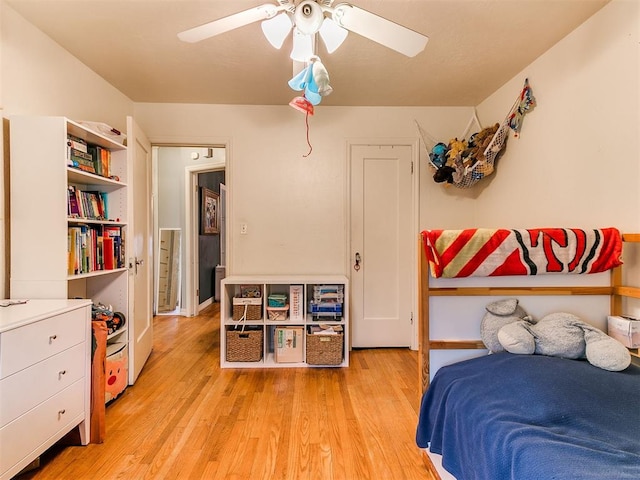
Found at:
<point>333,35</point>
<point>302,46</point>
<point>276,29</point>
<point>308,17</point>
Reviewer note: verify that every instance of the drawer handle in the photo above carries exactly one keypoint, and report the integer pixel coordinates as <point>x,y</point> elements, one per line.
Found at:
<point>61,412</point>
<point>52,338</point>
<point>61,373</point>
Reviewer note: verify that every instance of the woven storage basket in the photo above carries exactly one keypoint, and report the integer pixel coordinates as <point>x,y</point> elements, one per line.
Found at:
<point>253,308</point>
<point>244,346</point>
<point>324,349</point>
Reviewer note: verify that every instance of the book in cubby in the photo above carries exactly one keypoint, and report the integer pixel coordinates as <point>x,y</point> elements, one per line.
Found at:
<point>94,247</point>
<point>114,234</point>
<point>101,160</point>
<point>88,157</point>
<point>87,204</point>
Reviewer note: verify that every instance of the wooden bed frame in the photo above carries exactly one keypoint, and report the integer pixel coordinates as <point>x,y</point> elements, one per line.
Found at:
<point>616,291</point>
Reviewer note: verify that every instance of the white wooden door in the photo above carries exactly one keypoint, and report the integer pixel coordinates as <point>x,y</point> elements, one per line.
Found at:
<point>141,251</point>
<point>381,244</point>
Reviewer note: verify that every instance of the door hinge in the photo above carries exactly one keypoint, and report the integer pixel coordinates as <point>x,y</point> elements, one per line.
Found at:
<point>411,167</point>
<point>411,318</point>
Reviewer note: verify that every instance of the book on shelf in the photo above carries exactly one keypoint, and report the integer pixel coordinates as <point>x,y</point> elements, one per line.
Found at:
<point>87,204</point>
<point>116,233</point>
<point>108,253</point>
<point>77,143</point>
<point>73,266</point>
<point>94,151</point>
<point>101,158</point>
<point>93,247</point>
<point>95,204</point>
<point>73,207</point>
<point>82,160</point>
<point>105,160</point>
<point>78,249</point>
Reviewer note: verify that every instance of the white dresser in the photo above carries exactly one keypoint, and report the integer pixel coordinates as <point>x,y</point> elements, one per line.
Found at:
<point>45,378</point>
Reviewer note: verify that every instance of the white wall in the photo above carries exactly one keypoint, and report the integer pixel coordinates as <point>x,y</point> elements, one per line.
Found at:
<point>38,77</point>
<point>41,78</point>
<point>577,160</point>
<point>295,207</point>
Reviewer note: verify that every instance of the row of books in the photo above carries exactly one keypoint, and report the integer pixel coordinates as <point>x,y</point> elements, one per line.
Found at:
<point>87,157</point>
<point>89,204</point>
<point>94,247</point>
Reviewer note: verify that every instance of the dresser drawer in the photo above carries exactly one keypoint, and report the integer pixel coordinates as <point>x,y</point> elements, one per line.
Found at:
<point>36,341</point>
<point>53,418</point>
<point>27,388</point>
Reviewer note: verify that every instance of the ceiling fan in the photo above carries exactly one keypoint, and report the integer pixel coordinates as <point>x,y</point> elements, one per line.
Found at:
<point>309,17</point>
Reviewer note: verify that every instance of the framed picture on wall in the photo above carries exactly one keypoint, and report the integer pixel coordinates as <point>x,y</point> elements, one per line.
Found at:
<point>210,213</point>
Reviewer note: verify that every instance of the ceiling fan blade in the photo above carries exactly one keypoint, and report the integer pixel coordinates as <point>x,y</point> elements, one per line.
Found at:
<point>222,25</point>
<point>385,32</point>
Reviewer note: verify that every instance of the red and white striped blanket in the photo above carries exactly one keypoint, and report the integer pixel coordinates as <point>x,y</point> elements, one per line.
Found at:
<point>484,252</point>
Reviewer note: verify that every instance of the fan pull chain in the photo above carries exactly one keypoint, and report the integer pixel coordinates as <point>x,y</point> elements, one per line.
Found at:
<point>306,121</point>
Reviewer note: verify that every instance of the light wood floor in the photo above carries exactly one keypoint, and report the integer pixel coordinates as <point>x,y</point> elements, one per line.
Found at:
<point>185,418</point>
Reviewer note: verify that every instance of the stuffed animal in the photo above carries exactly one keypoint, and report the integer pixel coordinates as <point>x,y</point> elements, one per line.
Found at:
<point>456,147</point>
<point>444,174</point>
<point>565,335</point>
<point>478,143</point>
<point>438,155</point>
<point>499,314</point>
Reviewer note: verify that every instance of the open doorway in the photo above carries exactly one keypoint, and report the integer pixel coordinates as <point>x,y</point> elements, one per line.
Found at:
<point>181,173</point>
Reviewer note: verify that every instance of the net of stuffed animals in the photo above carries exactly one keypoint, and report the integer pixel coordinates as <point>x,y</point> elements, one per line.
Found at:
<point>463,163</point>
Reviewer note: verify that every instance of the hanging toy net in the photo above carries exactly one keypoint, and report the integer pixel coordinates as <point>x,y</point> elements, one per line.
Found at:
<point>463,163</point>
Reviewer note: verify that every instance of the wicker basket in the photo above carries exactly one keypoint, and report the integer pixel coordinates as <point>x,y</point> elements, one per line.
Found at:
<point>245,346</point>
<point>252,306</point>
<point>324,349</point>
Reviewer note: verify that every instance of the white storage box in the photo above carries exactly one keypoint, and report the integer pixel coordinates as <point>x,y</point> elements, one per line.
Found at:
<point>288,344</point>
<point>624,329</point>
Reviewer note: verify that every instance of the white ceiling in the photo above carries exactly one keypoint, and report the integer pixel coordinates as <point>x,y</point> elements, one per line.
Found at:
<point>474,47</point>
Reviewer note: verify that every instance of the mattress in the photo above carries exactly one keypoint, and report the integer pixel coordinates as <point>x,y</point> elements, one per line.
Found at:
<point>505,416</point>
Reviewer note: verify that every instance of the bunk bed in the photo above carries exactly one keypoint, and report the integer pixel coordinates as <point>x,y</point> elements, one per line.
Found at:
<point>506,416</point>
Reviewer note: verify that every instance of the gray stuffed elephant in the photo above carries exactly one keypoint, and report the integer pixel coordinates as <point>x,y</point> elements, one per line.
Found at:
<point>565,335</point>
<point>500,313</point>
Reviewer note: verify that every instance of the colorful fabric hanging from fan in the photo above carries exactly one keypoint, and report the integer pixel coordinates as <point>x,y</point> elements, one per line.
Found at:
<point>313,80</point>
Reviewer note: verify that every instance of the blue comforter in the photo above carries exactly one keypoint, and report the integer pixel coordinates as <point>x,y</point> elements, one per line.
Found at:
<point>530,417</point>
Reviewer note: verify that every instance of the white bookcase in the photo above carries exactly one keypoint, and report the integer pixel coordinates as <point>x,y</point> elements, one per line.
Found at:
<point>40,180</point>
<point>231,288</point>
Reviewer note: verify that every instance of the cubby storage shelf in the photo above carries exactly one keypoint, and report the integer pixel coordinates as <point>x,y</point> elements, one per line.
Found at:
<point>280,284</point>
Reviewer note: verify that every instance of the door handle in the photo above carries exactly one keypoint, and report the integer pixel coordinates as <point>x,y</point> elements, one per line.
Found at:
<point>135,264</point>
<point>356,266</point>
